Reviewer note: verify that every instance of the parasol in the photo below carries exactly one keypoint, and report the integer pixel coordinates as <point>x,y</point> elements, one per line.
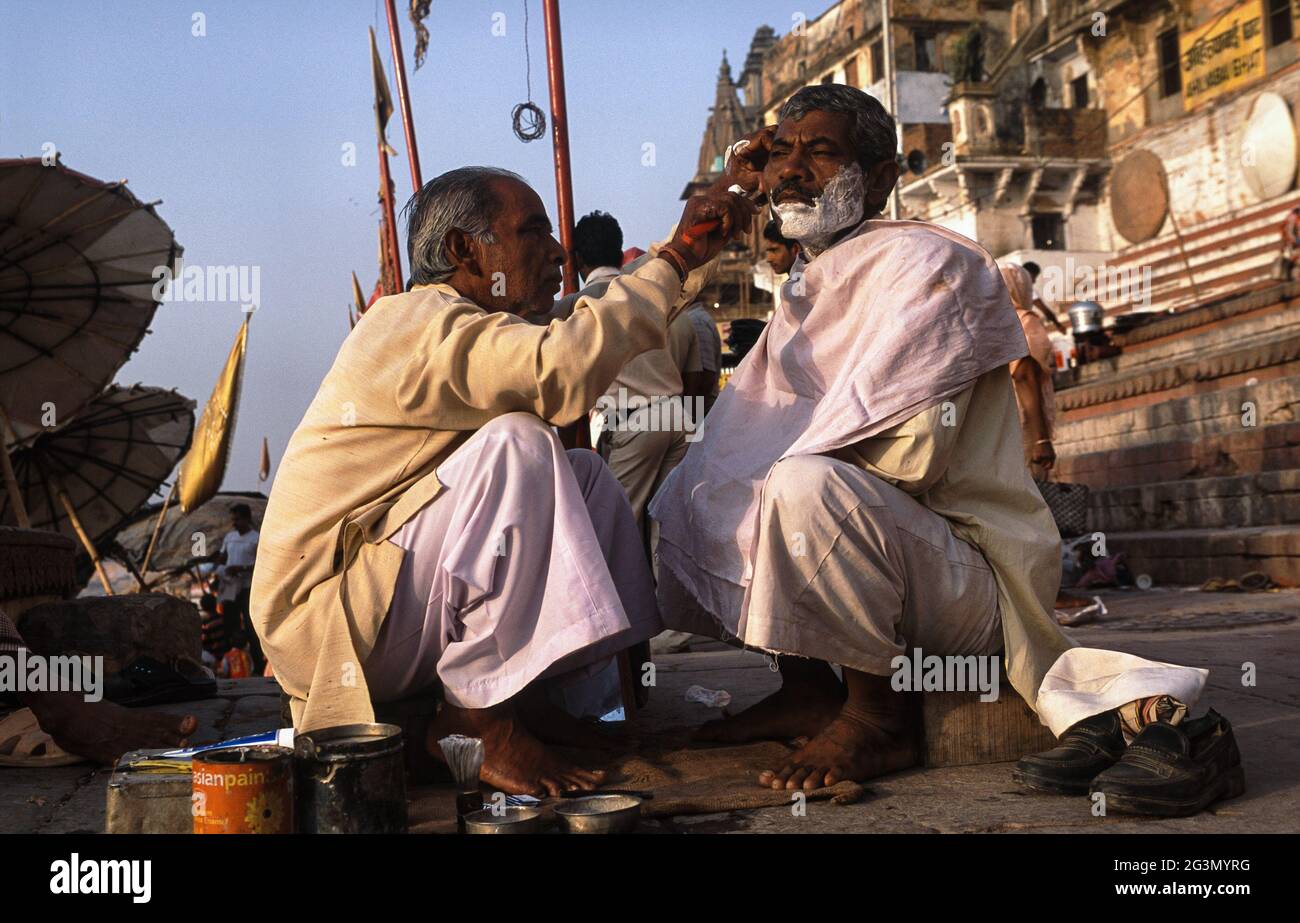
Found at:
<point>78,264</point>
<point>174,546</point>
<point>90,475</point>
<point>79,259</point>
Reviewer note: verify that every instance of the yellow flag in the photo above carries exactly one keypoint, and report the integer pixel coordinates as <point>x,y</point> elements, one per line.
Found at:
<point>358,299</point>
<point>204,465</point>
<point>383,98</point>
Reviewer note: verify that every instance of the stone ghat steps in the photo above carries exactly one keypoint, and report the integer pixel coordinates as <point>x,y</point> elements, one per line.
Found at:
<point>1226,362</point>
<point>1270,498</point>
<point>1240,452</point>
<point>1248,318</point>
<point>1192,556</point>
<point>1230,411</point>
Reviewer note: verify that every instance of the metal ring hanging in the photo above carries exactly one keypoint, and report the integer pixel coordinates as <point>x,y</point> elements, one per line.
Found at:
<point>529,122</point>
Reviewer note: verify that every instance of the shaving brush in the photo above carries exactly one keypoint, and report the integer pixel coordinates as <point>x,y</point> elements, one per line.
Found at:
<point>464,757</point>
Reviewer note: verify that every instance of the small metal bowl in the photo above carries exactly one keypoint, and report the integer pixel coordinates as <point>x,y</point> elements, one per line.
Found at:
<point>600,814</point>
<point>513,820</point>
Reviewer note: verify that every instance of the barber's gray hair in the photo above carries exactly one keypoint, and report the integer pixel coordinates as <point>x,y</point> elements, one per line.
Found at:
<point>871,132</point>
<point>462,199</point>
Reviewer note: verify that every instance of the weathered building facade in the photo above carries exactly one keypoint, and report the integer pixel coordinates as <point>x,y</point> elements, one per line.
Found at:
<point>1144,154</point>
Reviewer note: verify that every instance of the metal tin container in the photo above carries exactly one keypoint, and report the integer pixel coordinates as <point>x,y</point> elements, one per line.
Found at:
<point>243,790</point>
<point>351,779</point>
<point>1086,317</point>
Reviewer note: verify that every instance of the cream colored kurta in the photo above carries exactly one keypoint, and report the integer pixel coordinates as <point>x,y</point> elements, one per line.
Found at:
<point>415,379</point>
<point>963,462</point>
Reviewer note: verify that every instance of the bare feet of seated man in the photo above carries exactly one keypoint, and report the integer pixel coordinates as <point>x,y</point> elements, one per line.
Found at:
<point>514,761</point>
<point>871,736</point>
<point>809,699</point>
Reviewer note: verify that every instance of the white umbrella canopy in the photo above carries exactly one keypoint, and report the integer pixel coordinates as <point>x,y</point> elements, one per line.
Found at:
<point>108,461</point>
<point>79,261</point>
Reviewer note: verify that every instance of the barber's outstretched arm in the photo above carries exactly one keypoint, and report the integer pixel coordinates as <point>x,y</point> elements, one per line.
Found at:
<point>479,365</point>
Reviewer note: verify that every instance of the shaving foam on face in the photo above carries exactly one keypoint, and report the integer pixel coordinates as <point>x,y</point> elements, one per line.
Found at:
<point>839,206</point>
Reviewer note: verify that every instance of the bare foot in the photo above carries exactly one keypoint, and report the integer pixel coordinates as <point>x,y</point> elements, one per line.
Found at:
<point>553,725</point>
<point>849,748</point>
<point>103,731</point>
<point>809,698</point>
<point>514,761</point>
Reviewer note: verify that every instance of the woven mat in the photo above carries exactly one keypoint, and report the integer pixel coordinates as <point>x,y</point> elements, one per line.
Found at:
<point>684,780</point>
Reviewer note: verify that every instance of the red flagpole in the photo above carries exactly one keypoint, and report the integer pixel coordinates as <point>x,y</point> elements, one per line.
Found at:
<point>560,129</point>
<point>390,220</point>
<point>578,435</point>
<point>408,124</point>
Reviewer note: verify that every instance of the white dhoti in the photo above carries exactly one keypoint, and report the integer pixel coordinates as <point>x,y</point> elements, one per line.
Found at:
<point>851,570</point>
<point>527,564</point>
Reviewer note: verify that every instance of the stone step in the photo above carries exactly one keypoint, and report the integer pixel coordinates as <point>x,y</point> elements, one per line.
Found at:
<point>1252,318</point>
<point>1265,499</point>
<point>1230,365</point>
<point>1195,416</point>
<point>1246,451</point>
<point>1192,556</point>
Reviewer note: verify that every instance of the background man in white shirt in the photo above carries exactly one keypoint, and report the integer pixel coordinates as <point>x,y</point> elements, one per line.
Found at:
<point>237,555</point>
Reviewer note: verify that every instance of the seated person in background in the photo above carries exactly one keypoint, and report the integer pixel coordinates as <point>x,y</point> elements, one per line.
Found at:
<point>705,383</point>
<point>647,391</point>
<point>236,662</point>
<point>213,630</point>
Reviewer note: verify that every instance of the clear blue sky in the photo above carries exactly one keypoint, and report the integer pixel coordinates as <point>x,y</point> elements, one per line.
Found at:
<point>240,133</point>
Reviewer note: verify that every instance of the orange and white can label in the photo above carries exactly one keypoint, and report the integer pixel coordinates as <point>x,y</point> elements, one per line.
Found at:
<point>243,790</point>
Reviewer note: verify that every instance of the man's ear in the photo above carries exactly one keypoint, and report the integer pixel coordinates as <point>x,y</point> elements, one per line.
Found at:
<point>463,252</point>
<point>881,179</point>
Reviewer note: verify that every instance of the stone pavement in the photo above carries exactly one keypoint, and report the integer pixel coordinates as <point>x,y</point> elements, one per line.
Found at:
<point>1215,630</point>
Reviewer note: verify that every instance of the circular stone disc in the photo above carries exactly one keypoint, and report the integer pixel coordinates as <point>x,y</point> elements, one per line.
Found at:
<point>1139,196</point>
<point>1268,147</point>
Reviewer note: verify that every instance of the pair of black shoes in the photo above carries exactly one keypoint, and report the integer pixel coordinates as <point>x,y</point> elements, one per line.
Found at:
<point>1168,770</point>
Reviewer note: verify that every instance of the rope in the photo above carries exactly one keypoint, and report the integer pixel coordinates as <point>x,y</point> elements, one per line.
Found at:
<point>528,121</point>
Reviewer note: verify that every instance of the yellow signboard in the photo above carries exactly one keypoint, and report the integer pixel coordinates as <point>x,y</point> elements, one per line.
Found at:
<point>1222,55</point>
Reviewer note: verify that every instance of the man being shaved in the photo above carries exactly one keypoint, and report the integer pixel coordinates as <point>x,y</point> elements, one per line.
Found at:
<point>426,527</point>
<point>859,491</point>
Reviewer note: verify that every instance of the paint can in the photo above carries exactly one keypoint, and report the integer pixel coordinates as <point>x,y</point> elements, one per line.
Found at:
<point>243,790</point>
<point>351,779</point>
